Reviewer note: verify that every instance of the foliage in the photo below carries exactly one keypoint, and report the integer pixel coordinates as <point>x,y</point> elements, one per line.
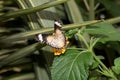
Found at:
<point>104,30</point>
<point>116,67</point>
<point>94,44</point>
<point>74,64</point>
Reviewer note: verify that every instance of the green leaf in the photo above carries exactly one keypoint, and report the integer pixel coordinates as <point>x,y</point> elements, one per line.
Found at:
<point>117,61</point>
<point>112,6</point>
<point>70,33</point>
<point>19,54</point>
<point>104,30</point>
<point>73,65</point>
<point>23,76</point>
<point>3,30</point>
<point>73,12</point>
<point>4,51</point>
<point>41,16</point>
<point>93,78</point>
<point>116,68</point>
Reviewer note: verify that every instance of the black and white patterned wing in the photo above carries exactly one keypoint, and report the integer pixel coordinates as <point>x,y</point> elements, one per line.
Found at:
<point>51,40</point>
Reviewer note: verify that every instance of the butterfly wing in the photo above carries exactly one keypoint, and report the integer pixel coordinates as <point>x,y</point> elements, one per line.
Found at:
<point>56,41</point>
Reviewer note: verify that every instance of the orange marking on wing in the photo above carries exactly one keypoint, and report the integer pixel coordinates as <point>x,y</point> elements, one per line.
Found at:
<point>62,50</point>
<point>57,51</point>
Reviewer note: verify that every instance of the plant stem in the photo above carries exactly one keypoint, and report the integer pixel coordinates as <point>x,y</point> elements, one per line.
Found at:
<point>98,60</point>
<point>31,10</point>
<point>91,11</point>
<point>86,5</point>
<point>31,33</point>
<point>111,74</point>
<point>113,20</point>
<point>83,39</point>
<point>90,48</point>
<point>28,34</point>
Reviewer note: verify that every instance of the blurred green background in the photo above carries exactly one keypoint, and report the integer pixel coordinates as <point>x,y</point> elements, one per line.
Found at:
<point>23,58</point>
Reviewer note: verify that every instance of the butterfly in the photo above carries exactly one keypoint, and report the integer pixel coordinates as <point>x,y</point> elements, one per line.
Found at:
<point>57,40</point>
